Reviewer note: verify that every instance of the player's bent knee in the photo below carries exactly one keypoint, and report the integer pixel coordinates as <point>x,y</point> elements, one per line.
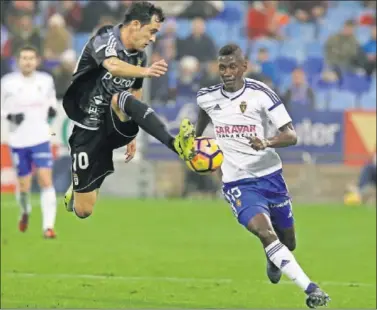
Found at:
<point>291,244</point>
<point>266,235</point>
<point>84,203</point>
<point>83,210</point>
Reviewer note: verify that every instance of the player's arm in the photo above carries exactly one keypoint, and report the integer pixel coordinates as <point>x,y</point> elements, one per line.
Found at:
<point>287,136</point>
<point>277,113</point>
<point>51,98</point>
<point>16,118</point>
<point>202,122</point>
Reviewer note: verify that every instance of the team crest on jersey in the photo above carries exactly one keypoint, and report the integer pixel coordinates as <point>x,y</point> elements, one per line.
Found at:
<point>238,203</point>
<point>243,106</point>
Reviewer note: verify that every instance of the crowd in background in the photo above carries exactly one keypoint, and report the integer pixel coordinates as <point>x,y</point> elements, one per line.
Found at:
<point>264,30</point>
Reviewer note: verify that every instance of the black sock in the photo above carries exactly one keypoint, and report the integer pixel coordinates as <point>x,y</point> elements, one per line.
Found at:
<point>146,118</point>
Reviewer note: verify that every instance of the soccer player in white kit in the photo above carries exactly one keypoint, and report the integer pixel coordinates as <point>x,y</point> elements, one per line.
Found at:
<point>240,110</point>
<point>27,101</point>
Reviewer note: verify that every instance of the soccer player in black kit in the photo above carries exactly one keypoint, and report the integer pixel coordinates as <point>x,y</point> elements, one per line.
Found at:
<point>104,104</point>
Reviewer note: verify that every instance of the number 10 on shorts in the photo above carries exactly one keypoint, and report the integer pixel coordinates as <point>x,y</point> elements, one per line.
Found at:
<point>81,160</point>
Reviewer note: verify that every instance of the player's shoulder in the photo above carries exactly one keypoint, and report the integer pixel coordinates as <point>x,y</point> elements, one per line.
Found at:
<point>261,90</point>
<point>10,77</point>
<point>209,94</point>
<point>44,76</point>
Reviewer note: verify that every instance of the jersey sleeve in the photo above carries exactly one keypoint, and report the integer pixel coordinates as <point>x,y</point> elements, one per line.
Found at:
<point>103,46</point>
<point>274,108</point>
<point>139,81</point>
<point>4,102</point>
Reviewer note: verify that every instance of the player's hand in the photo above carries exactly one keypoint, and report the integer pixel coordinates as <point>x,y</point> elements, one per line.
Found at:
<point>130,151</point>
<point>258,144</point>
<point>157,69</point>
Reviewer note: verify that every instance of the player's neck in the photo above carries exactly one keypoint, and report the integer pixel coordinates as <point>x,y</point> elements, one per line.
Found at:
<point>125,38</point>
<point>27,74</point>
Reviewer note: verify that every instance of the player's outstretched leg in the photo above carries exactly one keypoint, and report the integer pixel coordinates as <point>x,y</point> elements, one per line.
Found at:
<point>287,236</point>
<point>127,106</point>
<point>282,257</point>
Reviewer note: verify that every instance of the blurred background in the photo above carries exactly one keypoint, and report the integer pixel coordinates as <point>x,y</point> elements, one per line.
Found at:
<point>319,56</point>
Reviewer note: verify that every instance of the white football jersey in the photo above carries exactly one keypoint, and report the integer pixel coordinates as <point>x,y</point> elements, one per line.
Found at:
<point>236,116</point>
<point>31,96</point>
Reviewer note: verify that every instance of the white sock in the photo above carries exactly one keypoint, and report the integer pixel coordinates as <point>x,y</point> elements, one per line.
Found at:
<point>24,201</point>
<point>48,206</point>
<point>279,254</point>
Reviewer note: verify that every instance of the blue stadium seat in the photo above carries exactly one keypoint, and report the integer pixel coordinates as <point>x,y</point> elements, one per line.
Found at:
<point>271,45</point>
<point>363,34</point>
<point>285,64</point>
<point>79,41</point>
<point>183,28</point>
<point>218,30</point>
<point>313,66</point>
<point>314,49</point>
<point>319,84</point>
<point>341,100</point>
<point>355,83</point>
<point>305,32</point>
<point>293,49</point>
<point>368,101</point>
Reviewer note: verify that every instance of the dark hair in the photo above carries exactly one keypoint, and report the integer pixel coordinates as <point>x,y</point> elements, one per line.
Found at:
<point>229,49</point>
<point>143,12</point>
<point>27,48</point>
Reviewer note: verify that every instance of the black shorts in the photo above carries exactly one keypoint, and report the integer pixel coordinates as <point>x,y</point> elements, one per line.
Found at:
<point>92,152</point>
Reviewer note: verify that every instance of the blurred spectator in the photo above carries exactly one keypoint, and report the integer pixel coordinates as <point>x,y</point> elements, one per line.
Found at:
<point>162,89</point>
<point>210,76</point>
<point>172,8</point>
<point>92,13</point>
<point>5,48</point>
<point>202,9</point>
<point>370,51</point>
<point>267,67</point>
<point>63,73</point>
<point>70,10</point>
<point>307,11</point>
<point>25,34</point>
<point>198,44</point>
<point>254,72</point>
<point>343,50</point>
<point>121,10</point>
<point>57,39</point>
<point>263,20</point>
<point>299,94</point>
<point>188,80</point>
<point>166,44</point>
<point>368,16</point>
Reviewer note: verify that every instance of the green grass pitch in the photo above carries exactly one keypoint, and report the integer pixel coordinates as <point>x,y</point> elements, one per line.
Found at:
<point>180,254</point>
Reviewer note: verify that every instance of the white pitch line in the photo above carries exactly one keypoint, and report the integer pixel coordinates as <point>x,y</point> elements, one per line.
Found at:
<point>172,279</point>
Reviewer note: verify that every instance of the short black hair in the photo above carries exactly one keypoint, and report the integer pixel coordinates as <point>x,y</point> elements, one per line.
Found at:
<point>28,48</point>
<point>143,12</point>
<point>229,49</point>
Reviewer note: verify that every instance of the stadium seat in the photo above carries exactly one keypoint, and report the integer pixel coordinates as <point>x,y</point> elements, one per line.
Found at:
<point>341,100</point>
<point>355,83</point>
<point>313,66</point>
<point>285,64</point>
<point>183,28</point>
<point>319,84</point>
<point>368,101</point>
<point>314,49</point>
<point>218,30</point>
<point>271,45</point>
<point>363,34</point>
<point>293,49</point>
<point>304,32</point>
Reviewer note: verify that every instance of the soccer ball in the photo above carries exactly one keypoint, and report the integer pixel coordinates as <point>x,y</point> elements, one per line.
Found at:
<point>208,158</point>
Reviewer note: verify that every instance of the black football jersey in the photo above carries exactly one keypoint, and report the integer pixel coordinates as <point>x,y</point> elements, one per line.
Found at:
<point>87,100</point>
